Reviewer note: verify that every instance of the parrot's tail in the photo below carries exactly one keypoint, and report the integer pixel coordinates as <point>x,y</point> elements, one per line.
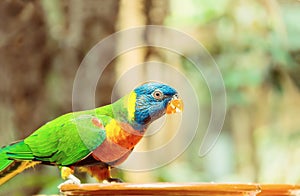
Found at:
<point>9,167</point>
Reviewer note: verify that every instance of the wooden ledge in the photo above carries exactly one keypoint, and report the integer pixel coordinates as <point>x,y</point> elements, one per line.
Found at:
<point>200,189</point>
<point>279,189</point>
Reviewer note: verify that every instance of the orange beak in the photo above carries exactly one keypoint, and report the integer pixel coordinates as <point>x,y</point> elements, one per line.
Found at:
<point>175,106</point>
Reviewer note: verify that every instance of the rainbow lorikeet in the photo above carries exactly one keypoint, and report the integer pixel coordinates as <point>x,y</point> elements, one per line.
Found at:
<point>94,140</point>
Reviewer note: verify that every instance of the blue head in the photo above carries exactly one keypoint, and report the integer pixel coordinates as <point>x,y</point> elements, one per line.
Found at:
<point>151,101</point>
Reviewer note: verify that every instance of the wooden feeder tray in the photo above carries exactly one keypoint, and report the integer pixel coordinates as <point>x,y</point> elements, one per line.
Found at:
<point>200,189</point>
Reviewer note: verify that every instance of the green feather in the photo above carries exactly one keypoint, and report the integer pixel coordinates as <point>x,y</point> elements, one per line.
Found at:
<point>67,139</point>
<point>64,140</point>
<point>19,151</point>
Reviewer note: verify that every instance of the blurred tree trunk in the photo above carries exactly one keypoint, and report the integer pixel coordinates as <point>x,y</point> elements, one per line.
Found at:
<point>41,46</point>
<point>85,24</point>
<point>25,61</point>
<point>134,13</point>
<point>40,55</point>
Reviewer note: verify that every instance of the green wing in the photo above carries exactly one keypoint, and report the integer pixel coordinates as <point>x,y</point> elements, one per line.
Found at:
<point>64,140</point>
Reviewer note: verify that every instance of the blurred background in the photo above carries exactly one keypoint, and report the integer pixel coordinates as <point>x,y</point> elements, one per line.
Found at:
<point>255,43</point>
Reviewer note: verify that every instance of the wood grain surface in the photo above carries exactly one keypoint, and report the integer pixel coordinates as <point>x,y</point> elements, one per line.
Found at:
<point>200,189</point>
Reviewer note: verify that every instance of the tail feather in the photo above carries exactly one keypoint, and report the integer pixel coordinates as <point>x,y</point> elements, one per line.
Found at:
<point>10,167</point>
<point>13,169</point>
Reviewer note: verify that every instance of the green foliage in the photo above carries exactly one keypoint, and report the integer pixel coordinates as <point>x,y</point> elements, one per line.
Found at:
<point>255,45</point>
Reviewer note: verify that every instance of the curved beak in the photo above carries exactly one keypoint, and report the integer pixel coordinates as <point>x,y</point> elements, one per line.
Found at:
<point>175,105</point>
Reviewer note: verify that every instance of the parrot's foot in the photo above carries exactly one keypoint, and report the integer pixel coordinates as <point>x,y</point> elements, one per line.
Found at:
<point>71,180</point>
<point>112,180</point>
<point>67,174</point>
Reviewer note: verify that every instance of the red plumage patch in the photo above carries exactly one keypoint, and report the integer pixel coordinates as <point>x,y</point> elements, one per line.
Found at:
<point>97,123</point>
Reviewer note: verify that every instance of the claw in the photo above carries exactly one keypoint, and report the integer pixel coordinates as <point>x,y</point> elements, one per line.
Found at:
<point>67,174</point>
<point>71,180</point>
<point>112,180</point>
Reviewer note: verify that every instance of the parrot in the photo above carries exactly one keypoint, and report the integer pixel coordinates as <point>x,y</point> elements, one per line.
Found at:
<point>95,140</point>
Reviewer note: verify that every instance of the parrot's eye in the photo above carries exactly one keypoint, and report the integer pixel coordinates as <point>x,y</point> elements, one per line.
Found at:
<point>157,94</point>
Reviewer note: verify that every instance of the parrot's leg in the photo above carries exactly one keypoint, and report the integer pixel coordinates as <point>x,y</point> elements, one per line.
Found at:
<point>109,179</point>
<point>100,172</point>
<point>67,174</point>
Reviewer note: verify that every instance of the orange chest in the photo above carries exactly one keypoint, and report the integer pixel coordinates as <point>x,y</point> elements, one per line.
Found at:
<point>119,142</point>
<point>122,134</point>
